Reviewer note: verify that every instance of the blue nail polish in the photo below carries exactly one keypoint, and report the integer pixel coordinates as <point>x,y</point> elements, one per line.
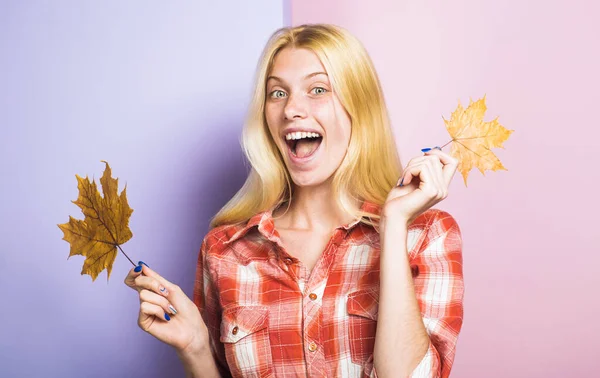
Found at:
<point>402,182</point>
<point>167,316</point>
<point>425,149</point>
<point>141,262</point>
<point>138,269</point>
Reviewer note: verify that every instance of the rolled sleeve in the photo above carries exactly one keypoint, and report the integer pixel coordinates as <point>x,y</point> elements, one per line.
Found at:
<point>429,367</point>
<point>439,289</point>
<point>206,299</point>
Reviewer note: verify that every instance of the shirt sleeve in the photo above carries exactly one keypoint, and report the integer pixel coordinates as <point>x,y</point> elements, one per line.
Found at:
<point>207,300</point>
<point>439,288</point>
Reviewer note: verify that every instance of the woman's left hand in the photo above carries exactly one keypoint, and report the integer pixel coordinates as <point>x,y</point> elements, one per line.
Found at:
<point>425,182</point>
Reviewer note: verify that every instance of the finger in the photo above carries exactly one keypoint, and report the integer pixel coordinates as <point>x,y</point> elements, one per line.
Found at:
<point>450,164</point>
<point>152,297</point>
<point>406,177</point>
<point>149,312</point>
<point>422,171</point>
<point>164,287</point>
<point>435,166</point>
<point>152,284</point>
<point>132,275</point>
<point>434,162</point>
<point>151,273</point>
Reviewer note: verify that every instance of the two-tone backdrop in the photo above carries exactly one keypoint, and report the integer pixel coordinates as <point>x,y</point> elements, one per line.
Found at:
<point>159,90</point>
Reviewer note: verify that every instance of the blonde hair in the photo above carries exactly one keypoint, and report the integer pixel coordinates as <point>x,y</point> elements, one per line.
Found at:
<point>371,166</point>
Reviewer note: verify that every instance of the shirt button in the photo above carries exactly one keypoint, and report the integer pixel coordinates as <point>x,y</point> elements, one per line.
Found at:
<point>312,347</point>
<point>313,296</point>
<point>235,330</point>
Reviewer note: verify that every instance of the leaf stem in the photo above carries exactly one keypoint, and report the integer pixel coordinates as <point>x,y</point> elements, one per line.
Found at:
<point>447,143</point>
<point>132,263</point>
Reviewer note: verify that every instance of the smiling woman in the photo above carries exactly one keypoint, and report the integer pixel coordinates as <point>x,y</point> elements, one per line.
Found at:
<point>320,265</point>
<point>296,260</point>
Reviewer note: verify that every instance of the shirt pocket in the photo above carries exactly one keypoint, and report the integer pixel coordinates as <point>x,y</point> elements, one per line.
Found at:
<point>245,337</point>
<point>362,307</point>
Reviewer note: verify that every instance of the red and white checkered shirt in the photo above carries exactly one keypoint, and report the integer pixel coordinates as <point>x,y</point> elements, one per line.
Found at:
<point>267,316</point>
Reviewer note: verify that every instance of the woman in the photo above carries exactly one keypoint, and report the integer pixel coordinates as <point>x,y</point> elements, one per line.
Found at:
<point>329,261</point>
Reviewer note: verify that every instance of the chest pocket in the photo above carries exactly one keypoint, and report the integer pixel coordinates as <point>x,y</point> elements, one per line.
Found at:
<point>363,307</point>
<point>245,336</point>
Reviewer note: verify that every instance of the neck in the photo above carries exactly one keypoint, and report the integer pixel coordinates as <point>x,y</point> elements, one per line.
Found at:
<point>312,209</point>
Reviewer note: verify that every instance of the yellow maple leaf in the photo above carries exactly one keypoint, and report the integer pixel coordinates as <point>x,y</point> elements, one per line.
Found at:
<point>473,138</point>
<point>105,226</point>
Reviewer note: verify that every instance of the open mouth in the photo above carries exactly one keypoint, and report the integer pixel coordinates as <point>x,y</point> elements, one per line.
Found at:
<point>304,147</point>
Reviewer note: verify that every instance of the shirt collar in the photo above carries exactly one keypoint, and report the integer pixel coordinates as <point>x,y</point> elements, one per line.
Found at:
<point>266,226</point>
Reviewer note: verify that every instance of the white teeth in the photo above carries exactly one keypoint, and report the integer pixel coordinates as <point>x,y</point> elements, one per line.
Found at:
<point>300,135</point>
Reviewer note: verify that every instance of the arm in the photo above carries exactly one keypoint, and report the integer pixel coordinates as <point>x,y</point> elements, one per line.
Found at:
<point>205,360</point>
<point>417,337</point>
<point>198,362</point>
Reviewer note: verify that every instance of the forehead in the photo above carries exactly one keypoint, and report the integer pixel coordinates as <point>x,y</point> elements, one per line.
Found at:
<point>295,64</point>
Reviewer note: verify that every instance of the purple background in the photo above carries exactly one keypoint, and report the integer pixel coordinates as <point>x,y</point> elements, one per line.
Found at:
<point>159,90</point>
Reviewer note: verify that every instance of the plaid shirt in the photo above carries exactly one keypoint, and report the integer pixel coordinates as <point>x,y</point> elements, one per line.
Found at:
<point>268,316</point>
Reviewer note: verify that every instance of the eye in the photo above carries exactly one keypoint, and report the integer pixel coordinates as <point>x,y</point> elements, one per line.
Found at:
<point>274,93</point>
<point>323,90</point>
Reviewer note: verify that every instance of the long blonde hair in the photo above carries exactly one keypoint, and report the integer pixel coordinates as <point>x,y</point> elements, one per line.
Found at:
<point>371,166</point>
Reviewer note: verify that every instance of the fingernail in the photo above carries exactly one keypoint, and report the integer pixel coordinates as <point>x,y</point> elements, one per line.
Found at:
<point>163,290</point>
<point>173,309</point>
<point>141,262</point>
<point>438,147</point>
<point>138,269</point>
<point>400,183</point>
<point>167,316</point>
<point>425,149</point>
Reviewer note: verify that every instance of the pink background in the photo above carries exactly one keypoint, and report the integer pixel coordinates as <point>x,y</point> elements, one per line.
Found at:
<point>530,233</point>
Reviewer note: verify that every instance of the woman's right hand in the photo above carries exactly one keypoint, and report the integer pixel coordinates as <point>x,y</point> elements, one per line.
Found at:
<point>182,328</point>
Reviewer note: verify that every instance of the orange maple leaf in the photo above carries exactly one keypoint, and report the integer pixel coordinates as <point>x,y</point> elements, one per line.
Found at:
<point>105,226</point>
<point>473,138</point>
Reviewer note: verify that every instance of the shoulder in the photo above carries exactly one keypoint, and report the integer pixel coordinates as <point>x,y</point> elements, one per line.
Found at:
<point>216,238</point>
<point>434,228</point>
<point>238,243</point>
<point>434,219</point>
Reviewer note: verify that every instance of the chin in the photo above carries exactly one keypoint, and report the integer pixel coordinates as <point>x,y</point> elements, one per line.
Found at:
<point>308,179</point>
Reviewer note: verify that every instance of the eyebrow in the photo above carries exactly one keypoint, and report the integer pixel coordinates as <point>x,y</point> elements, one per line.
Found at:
<point>305,77</point>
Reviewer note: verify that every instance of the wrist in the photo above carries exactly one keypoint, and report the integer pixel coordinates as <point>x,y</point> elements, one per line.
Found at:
<point>394,236</point>
<point>196,348</point>
<point>393,223</point>
<point>198,360</point>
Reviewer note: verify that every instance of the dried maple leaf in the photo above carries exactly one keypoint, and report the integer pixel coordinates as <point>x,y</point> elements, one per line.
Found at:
<point>105,226</point>
<point>472,138</point>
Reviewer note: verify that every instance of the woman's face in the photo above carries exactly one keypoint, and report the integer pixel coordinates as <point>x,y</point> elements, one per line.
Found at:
<point>300,98</point>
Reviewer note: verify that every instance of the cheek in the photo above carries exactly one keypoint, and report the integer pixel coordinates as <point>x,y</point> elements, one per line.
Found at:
<point>322,107</point>
<point>336,121</point>
<point>272,118</point>
<point>270,113</point>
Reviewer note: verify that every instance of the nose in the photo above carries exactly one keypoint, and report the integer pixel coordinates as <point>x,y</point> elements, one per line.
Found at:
<point>295,107</point>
